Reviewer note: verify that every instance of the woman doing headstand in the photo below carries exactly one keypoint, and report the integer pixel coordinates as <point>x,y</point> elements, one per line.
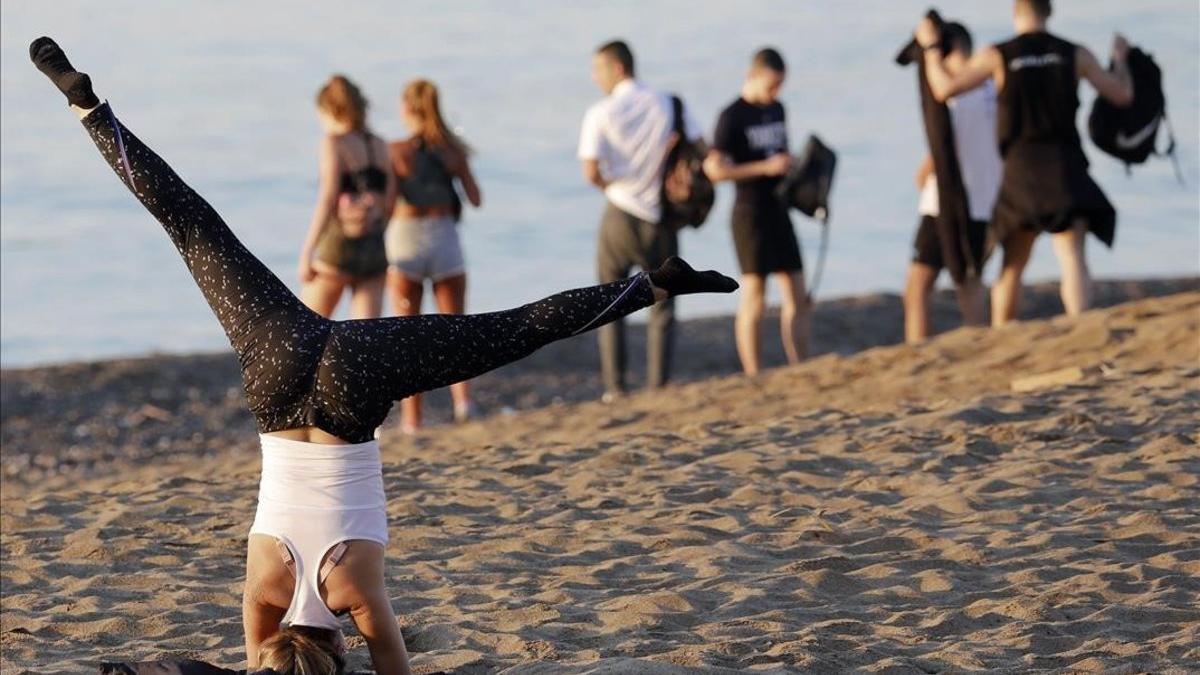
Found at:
<point>319,388</point>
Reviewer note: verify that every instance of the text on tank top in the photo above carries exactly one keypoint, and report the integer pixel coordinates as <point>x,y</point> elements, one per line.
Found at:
<point>1041,92</point>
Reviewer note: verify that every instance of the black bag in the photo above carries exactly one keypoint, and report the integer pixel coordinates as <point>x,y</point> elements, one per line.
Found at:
<point>1130,134</point>
<point>807,183</point>
<point>687,193</point>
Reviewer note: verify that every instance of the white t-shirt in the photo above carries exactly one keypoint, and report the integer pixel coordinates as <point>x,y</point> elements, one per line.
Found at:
<point>627,134</point>
<point>973,116</point>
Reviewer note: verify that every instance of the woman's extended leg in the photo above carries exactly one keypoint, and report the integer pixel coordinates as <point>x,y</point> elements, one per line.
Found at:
<point>277,339</point>
<point>396,357</point>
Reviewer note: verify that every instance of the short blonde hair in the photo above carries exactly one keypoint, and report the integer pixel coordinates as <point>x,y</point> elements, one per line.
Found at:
<point>301,650</point>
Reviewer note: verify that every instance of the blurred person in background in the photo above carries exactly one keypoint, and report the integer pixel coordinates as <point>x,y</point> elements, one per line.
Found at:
<point>973,122</point>
<point>344,246</point>
<point>422,238</point>
<point>623,146</point>
<point>1046,186</point>
<point>750,148</point>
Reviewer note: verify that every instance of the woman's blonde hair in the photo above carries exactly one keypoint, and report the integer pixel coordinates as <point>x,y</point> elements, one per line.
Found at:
<point>342,99</point>
<point>421,98</point>
<point>301,650</point>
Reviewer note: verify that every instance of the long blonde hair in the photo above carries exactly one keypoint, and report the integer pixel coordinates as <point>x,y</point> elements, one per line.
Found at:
<point>343,100</point>
<point>421,98</point>
<point>301,650</point>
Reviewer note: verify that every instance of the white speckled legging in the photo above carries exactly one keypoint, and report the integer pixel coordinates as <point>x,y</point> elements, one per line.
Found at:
<point>300,369</point>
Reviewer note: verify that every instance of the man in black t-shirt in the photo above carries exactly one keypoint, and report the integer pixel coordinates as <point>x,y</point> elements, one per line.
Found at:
<point>750,148</point>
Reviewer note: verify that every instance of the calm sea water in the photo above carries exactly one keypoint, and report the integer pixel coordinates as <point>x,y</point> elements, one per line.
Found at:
<point>224,91</point>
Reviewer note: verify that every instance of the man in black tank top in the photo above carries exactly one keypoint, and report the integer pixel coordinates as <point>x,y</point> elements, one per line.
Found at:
<point>1046,186</point>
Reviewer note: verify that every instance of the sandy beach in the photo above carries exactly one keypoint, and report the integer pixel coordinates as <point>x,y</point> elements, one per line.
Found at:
<point>881,508</point>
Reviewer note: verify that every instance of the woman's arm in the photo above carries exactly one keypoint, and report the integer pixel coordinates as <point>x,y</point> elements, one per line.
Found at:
<point>357,583</point>
<point>326,199</point>
<point>462,171</point>
<point>391,186</point>
<point>1116,86</point>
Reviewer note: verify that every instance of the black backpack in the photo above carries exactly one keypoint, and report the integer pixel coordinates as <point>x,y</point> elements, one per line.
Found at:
<point>806,185</point>
<point>687,193</point>
<point>1130,134</point>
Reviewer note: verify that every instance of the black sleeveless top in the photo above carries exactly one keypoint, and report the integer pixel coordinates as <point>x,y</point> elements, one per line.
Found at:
<point>1041,92</point>
<point>1046,185</point>
<point>369,178</point>
<point>429,182</point>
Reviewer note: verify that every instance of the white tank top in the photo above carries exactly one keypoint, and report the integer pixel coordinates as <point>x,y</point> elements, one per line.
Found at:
<point>311,498</point>
<point>973,116</point>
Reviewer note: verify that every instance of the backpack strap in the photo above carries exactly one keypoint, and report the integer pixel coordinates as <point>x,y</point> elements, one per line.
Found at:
<point>677,109</point>
<point>1170,151</point>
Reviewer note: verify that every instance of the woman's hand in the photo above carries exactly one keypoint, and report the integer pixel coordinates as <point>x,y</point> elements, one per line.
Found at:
<point>305,269</point>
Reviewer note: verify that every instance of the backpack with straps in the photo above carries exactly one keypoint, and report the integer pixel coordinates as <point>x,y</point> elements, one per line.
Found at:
<point>687,193</point>
<point>1130,134</point>
<point>359,212</point>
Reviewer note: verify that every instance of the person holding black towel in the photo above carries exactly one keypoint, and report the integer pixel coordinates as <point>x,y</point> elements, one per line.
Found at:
<point>975,179</point>
<point>1046,186</point>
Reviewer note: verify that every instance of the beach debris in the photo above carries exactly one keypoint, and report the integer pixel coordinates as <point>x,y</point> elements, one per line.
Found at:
<point>1053,378</point>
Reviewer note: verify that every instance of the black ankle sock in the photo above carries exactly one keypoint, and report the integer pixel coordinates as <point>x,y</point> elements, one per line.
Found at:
<point>678,278</point>
<point>50,59</point>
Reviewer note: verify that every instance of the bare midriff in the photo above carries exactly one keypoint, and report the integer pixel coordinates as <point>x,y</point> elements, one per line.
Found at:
<point>308,435</point>
<point>405,210</point>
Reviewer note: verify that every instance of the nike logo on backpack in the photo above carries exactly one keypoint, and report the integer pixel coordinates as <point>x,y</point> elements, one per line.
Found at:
<point>1129,142</point>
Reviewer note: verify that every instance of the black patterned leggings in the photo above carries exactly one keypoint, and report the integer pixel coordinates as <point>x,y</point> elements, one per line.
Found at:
<point>300,369</point>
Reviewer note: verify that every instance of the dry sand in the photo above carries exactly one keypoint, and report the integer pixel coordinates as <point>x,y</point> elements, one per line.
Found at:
<point>899,510</point>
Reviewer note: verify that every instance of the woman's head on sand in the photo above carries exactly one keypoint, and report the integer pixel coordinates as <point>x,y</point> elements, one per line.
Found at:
<point>421,109</point>
<point>341,106</point>
<point>302,650</point>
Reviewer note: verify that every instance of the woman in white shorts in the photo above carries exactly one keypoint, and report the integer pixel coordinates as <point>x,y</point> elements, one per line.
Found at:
<point>422,238</point>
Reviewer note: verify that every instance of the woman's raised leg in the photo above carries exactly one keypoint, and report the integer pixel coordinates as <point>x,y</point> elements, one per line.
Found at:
<point>257,311</point>
<point>408,355</point>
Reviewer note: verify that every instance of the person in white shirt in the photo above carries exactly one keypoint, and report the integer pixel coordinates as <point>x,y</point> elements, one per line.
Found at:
<point>623,147</point>
<point>973,117</point>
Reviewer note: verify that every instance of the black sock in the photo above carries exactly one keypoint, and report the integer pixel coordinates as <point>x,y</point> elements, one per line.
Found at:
<point>50,59</point>
<point>678,278</point>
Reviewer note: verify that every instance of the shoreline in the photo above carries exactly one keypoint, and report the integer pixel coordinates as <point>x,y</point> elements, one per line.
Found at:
<point>93,418</point>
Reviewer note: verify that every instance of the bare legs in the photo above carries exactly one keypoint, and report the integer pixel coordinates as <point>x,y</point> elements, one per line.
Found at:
<point>1006,294</point>
<point>793,315</point>
<point>325,290</point>
<point>917,289</point>
<point>1075,287</point>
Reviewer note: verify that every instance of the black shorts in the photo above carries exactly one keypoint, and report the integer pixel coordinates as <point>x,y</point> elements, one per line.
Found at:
<point>764,239</point>
<point>927,246</point>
